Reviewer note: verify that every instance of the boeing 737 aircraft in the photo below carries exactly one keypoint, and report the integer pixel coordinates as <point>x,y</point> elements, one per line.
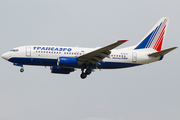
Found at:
<point>63,60</point>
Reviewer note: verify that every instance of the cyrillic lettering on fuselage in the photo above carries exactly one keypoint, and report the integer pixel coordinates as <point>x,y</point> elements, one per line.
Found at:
<point>53,48</point>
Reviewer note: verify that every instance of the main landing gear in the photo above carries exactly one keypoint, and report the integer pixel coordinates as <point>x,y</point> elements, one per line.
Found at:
<point>84,74</point>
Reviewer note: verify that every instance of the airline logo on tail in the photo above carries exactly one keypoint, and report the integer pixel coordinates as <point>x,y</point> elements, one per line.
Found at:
<point>154,38</point>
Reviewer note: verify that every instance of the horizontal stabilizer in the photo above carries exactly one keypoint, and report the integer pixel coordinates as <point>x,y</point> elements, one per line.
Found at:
<point>161,53</point>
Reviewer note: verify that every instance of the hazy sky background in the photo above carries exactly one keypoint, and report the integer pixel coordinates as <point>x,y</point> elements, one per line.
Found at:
<point>149,92</point>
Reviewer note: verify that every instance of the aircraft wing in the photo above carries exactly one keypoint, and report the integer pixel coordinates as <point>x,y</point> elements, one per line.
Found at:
<point>98,55</point>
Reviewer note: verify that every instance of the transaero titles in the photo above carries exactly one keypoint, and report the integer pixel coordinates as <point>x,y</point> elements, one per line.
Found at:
<point>53,48</point>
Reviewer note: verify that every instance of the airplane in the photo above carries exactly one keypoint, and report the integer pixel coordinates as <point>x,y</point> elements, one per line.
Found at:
<point>64,60</point>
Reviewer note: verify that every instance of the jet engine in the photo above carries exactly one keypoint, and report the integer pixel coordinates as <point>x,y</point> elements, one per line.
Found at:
<point>67,62</point>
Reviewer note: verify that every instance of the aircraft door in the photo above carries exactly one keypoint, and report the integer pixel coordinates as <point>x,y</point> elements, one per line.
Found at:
<point>28,51</point>
<point>134,57</point>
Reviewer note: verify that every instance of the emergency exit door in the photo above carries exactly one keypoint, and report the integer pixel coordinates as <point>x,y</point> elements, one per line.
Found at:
<point>134,57</point>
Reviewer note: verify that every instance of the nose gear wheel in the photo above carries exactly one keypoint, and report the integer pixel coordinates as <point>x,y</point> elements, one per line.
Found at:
<point>22,70</point>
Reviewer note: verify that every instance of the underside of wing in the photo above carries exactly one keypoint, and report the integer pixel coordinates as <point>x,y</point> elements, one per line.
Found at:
<point>98,55</point>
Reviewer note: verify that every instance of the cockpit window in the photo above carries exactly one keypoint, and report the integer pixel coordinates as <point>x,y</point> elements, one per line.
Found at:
<point>14,50</point>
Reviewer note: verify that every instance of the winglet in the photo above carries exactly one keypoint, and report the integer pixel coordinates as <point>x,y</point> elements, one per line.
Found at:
<point>122,40</point>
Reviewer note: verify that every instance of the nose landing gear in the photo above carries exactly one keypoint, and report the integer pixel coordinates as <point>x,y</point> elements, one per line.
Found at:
<point>22,70</point>
<point>20,65</point>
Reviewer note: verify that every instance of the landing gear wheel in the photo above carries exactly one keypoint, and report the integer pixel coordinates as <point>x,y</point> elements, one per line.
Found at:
<point>83,75</point>
<point>21,70</point>
<point>88,71</point>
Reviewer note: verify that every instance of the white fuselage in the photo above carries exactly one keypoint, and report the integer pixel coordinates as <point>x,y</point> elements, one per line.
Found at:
<point>47,56</point>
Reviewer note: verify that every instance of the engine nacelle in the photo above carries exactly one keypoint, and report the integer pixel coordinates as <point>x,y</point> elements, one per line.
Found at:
<point>61,70</point>
<point>67,62</point>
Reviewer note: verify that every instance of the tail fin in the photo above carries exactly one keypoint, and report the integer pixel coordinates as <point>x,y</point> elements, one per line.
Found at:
<point>154,38</point>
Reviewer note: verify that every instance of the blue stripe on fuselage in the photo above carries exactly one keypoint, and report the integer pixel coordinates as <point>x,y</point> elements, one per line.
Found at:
<point>114,65</point>
<point>53,62</point>
<point>34,61</point>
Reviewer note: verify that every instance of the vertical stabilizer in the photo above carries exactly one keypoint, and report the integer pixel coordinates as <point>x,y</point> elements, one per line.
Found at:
<point>154,38</point>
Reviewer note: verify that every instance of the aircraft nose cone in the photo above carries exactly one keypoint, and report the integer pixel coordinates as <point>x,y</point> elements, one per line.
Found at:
<point>5,56</point>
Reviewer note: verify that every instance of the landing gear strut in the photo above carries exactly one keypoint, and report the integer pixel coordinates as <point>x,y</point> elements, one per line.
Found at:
<point>20,65</point>
<point>84,74</point>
